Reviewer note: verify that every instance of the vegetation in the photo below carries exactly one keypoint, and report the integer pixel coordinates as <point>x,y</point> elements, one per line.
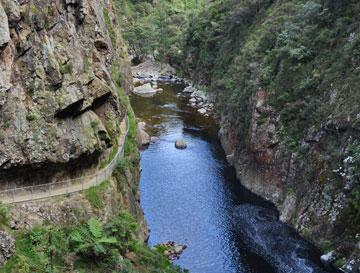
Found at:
<point>4,219</point>
<point>95,194</point>
<point>303,54</point>
<point>97,247</point>
<point>157,27</point>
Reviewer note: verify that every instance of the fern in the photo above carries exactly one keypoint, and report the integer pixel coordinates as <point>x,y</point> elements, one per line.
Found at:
<point>95,228</point>
<point>89,239</point>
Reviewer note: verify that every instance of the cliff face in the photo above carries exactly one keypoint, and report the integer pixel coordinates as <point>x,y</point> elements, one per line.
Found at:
<point>63,86</point>
<point>58,102</point>
<point>284,74</point>
<point>311,195</point>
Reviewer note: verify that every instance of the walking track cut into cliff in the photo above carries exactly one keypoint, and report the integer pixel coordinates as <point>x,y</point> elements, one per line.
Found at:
<point>30,193</point>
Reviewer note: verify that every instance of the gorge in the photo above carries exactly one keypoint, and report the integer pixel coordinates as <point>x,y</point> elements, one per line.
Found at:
<point>267,179</point>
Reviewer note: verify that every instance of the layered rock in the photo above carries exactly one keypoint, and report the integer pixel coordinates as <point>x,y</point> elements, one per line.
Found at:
<point>58,100</point>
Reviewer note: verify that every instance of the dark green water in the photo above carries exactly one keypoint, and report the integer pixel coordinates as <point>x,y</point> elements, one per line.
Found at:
<point>192,197</point>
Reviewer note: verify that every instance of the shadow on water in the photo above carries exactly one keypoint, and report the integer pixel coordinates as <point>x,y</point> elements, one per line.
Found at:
<point>192,196</point>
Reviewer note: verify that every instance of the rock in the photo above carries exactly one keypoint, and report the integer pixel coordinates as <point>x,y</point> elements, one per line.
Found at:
<point>172,250</point>
<point>7,247</point>
<point>189,89</point>
<point>142,138</point>
<point>179,249</point>
<point>145,90</point>
<point>101,46</point>
<point>180,144</point>
<point>154,139</point>
<point>154,70</point>
<point>202,111</point>
<point>12,9</point>
<point>4,28</point>
<point>70,101</point>
<point>328,258</point>
<point>192,100</point>
<point>199,99</point>
<point>56,93</point>
<point>137,81</point>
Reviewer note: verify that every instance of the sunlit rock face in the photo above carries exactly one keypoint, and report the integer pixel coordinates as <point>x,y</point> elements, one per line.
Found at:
<point>59,109</point>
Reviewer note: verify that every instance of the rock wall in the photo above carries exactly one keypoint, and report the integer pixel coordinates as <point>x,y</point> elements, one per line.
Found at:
<point>61,63</point>
<point>309,192</point>
<point>63,79</point>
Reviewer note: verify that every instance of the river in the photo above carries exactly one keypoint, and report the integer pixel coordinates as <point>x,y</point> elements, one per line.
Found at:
<point>192,197</point>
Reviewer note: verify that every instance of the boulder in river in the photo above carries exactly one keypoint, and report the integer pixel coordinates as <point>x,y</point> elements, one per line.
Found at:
<point>145,90</point>
<point>180,144</point>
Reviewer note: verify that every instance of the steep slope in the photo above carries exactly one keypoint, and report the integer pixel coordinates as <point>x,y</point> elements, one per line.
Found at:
<point>285,75</point>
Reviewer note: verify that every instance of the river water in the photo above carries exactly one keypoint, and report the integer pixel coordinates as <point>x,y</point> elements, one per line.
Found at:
<point>192,197</point>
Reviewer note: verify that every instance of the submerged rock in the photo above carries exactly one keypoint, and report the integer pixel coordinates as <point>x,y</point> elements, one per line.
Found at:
<point>180,144</point>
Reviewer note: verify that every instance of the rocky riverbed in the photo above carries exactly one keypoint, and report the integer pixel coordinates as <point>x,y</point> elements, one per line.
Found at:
<point>147,76</point>
<point>199,99</point>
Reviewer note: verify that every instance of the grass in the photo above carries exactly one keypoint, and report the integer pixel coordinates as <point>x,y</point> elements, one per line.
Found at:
<point>109,27</point>
<point>112,155</point>
<point>95,194</point>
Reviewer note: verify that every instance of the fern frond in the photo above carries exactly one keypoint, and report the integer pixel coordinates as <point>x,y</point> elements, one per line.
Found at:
<point>95,228</point>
